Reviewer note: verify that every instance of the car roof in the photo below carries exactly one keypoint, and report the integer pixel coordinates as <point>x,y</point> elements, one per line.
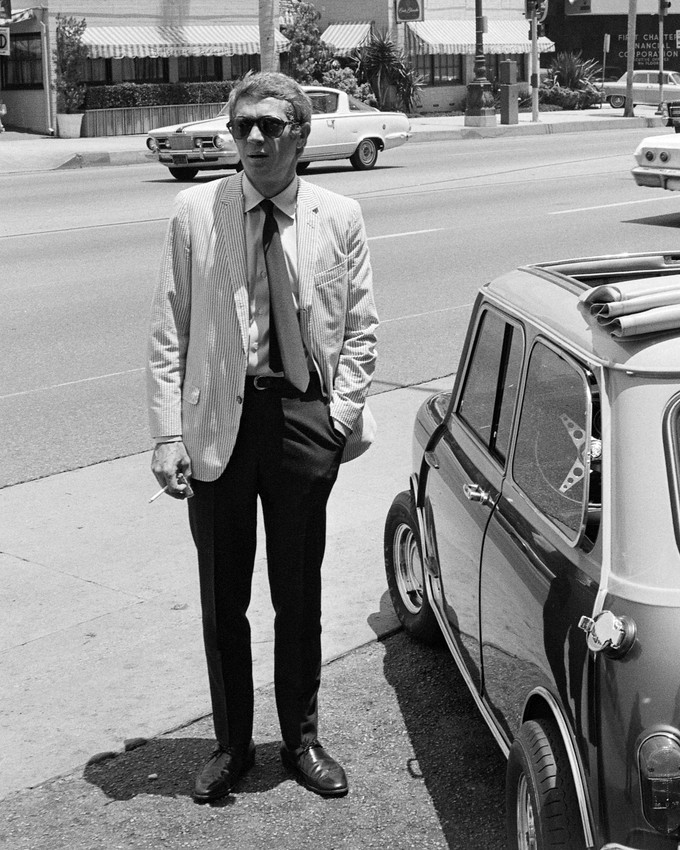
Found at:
<point>549,296</point>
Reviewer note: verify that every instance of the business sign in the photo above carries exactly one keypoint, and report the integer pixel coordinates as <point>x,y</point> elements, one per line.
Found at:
<point>4,41</point>
<point>609,7</point>
<point>410,10</point>
<point>5,9</point>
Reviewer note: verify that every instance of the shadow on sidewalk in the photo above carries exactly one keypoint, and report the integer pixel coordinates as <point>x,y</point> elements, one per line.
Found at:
<point>166,767</point>
<point>455,753</point>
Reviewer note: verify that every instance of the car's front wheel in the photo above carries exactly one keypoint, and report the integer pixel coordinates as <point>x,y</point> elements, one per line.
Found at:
<point>617,102</point>
<point>404,568</point>
<point>365,156</point>
<point>541,807</point>
<point>183,173</point>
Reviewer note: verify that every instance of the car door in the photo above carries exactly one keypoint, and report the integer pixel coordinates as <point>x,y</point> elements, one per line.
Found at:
<point>541,560</point>
<point>466,471</point>
<point>322,141</point>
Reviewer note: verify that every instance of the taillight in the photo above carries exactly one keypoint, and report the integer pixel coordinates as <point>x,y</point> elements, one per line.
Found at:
<point>663,156</point>
<point>659,762</point>
<point>649,156</point>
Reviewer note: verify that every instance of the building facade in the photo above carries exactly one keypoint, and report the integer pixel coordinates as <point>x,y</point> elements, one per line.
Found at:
<point>128,41</point>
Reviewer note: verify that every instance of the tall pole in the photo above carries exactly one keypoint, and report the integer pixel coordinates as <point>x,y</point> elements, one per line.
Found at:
<point>630,63</point>
<point>535,82</point>
<point>269,58</point>
<point>662,11</point>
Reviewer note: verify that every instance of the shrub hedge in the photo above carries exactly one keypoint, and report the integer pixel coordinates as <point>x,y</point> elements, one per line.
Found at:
<point>155,94</point>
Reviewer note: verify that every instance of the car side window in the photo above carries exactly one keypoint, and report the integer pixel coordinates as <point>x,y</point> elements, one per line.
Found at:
<point>323,103</point>
<point>551,463</point>
<point>487,402</point>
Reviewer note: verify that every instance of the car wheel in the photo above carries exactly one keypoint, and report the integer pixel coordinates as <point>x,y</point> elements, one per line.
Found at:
<point>676,127</point>
<point>301,167</point>
<point>404,568</point>
<point>365,156</point>
<point>183,173</point>
<point>541,807</point>
<point>617,102</point>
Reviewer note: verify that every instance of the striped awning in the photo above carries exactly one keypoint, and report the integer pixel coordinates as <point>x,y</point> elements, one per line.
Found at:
<point>344,38</point>
<point>18,15</point>
<point>459,37</point>
<point>162,42</point>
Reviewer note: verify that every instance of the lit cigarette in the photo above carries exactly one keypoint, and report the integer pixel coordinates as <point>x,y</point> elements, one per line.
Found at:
<point>159,493</point>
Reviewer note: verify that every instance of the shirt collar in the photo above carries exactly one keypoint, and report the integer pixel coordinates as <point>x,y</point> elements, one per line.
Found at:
<point>285,201</point>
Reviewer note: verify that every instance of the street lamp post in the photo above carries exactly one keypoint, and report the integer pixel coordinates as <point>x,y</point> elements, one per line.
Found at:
<point>480,110</point>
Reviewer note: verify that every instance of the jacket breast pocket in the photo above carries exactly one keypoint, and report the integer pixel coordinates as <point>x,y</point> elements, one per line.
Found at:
<point>329,303</point>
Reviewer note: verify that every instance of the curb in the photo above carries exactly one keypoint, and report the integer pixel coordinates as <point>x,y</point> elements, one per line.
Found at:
<point>535,129</point>
<point>99,158</point>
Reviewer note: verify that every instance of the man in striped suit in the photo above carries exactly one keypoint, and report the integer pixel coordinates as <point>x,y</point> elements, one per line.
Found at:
<point>246,402</point>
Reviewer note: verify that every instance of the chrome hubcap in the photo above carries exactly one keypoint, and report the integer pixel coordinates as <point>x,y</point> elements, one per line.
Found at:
<point>408,568</point>
<point>526,825</point>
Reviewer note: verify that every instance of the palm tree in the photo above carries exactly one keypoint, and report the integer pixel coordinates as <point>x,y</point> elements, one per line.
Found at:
<point>269,58</point>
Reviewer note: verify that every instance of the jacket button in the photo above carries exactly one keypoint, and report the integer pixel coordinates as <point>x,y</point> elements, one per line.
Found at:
<point>239,399</point>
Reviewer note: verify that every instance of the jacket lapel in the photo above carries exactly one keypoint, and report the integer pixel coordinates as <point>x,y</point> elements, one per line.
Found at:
<point>307,220</point>
<point>231,223</point>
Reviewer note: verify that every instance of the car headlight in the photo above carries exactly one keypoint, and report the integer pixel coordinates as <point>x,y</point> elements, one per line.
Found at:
<point>221,141</point>
<point>649,156</point>
<point>664,156</point>
<point>152,144</point>
<point>659,762</point>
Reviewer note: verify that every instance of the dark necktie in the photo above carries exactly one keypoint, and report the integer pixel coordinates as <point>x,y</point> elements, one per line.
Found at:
<point>286,351</point>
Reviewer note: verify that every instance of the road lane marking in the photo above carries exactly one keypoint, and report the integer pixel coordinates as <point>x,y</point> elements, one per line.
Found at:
<point>406,233</point>
<point>71,383</point>
<point>609,206</point>
<point>428,313</point>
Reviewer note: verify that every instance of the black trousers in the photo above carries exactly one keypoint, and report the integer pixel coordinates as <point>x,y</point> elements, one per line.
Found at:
<point>287,453</point>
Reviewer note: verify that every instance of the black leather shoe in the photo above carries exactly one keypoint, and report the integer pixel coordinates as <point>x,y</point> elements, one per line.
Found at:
<point>316,770</point>
<point>222,771</point>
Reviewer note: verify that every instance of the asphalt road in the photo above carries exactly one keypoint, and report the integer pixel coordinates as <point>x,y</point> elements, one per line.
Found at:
<point>79,253</point>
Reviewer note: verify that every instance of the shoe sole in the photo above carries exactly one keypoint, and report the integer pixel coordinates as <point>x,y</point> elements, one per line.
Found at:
<point>302,779</point>
<point>248,764</point>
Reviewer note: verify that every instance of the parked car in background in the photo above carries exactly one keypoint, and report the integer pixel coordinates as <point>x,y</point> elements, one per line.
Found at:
<point>657,161</point>
<point>342,128</point>
<point>540,536</point>
<point>645,88</point>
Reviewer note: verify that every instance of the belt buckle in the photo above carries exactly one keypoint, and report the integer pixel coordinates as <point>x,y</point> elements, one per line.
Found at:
<point>256,382</point>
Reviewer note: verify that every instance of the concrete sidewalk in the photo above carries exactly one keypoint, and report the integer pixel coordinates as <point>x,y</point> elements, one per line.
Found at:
<point>100,639</point>
<point>24,152</point>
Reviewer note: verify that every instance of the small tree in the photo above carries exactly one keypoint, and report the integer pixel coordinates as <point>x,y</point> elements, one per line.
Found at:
<point>69,56</point>
<point>383,65</point>
<point>572,82</point>
<point>308,57</point>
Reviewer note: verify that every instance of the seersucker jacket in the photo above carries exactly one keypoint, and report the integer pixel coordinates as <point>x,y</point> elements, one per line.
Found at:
<point>200,317</point>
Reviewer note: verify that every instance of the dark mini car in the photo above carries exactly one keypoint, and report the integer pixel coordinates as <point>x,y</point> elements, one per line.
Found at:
<point>540,536</point>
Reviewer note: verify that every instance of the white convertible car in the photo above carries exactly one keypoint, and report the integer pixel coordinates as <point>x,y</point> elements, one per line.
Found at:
<point>342,128</point>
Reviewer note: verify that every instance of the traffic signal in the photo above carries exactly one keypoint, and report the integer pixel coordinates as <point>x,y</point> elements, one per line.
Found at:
<point>664,6</point>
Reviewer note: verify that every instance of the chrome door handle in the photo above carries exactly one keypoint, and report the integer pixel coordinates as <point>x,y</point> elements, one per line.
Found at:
<point>474,493</point>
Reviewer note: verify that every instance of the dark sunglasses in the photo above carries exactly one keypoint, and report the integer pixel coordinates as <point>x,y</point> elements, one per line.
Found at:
<point>268,125</point>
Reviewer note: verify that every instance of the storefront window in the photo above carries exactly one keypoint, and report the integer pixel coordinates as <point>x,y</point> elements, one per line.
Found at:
<point>200,69</point>
<point>493,65</point>
<point>440,69</point>
<point>145,70</point>
<point>22,69</point>
<point>98,71</point>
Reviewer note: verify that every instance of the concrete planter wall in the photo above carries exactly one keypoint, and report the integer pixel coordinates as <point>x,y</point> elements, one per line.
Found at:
<point>69,126</point>
<point>140,119</point>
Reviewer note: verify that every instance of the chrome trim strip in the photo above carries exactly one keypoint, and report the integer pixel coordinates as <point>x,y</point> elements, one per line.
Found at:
<point>574,762</point>
<point>483,708</point>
